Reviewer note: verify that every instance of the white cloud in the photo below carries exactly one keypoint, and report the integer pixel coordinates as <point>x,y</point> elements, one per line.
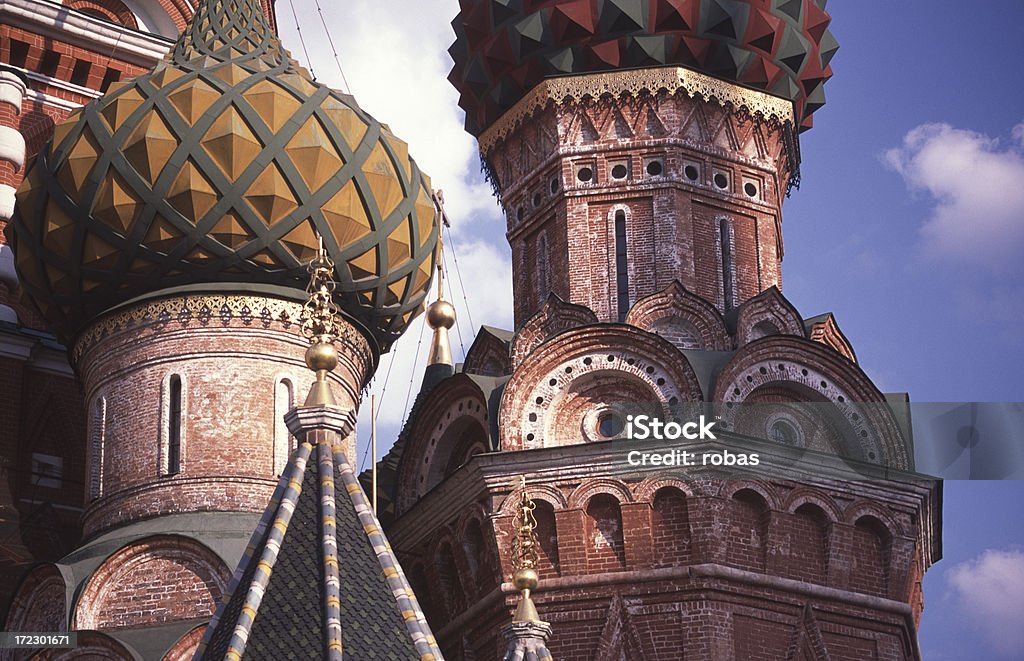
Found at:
<point>394,55</point>
<point>977,185</point>
<point>990,589</point>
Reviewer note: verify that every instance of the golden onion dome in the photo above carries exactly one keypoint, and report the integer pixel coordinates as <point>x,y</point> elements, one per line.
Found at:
<point>220,167</point>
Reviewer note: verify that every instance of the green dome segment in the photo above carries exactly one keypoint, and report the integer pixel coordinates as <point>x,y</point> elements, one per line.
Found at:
<point>503,48</point>
<point>221,166</point>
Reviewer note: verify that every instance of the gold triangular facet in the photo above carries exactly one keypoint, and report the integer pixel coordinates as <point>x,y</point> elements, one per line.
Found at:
<point>98,254</point>
<point>365,265</point>
<point>302,241</point>
<point>165,74</point>
<point>161,236</point>
<point>193,100</point>
<point>424,215</point>
<point>59,232</point>
<point>270,196</point>
<point>347,216</point>
<point>74,173</point>
<point>150,146</point>
<point>272,103</point>
<point>347,121</point>
<point>118,109</point>
<point>231,232</point>
<point>395,291</point>
<point>191,194</point>
<point>61,130</point>
<point>231,143</point>
<point>117,204</point>
<point>399,242</point>
<point>384,184</point>
<point>313,154</point>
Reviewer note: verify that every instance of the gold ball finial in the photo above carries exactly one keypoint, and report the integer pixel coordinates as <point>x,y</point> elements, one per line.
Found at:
<point>321,357</point>
<point>525,579</point>
<point>440,313</point>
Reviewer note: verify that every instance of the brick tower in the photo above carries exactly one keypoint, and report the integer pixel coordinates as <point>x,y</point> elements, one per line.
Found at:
<point>163,234</point>
<point>642,152</point>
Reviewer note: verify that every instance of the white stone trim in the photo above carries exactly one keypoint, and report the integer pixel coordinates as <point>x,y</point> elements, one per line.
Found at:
<point>54,101</point>
<point>12,146</point>
<point>50,19</point>
<point>6,213</point>
<point>34,354</point>
<point>62,84</point>
<point>12,89</point>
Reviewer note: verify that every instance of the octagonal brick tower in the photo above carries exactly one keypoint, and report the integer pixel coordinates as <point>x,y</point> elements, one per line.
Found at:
<point>164,234</point>
<point>642,150</point>
<point>634,143</point>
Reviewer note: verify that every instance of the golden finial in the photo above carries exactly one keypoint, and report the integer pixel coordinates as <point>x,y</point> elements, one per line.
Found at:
<point>525,557</point>
<point>440,314</point>
<point>320,326</point>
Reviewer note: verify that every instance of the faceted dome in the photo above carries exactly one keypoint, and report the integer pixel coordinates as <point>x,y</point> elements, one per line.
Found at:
<point>219,167</point>
<point>503,48</point>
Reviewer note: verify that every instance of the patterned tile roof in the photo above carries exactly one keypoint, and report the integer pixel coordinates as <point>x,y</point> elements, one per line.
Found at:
<point>319,579</point>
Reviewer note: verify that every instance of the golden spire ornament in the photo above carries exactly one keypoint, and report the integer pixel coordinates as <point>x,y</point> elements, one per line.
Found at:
<point>440,314</point>
<point>526,634</point>
<point>320,326</point>
<point>525,558</point>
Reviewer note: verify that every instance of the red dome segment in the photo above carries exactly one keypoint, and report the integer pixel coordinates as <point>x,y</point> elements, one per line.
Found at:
<point>504,48</point>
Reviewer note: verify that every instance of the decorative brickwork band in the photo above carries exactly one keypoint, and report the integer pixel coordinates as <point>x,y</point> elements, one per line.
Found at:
<point>634,82</point>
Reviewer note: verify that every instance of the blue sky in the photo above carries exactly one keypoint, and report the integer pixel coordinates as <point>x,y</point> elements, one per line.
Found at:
<point>909,226</point>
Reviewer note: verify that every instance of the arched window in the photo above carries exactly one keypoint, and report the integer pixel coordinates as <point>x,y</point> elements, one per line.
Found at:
<point>97,449</point>
<point>728,263</point>
<point>283,441</point>
<point>670,528</point>
<point>606,549</point>
<point>174,426</point>
<point>621,264</point>
<point>543,284</point>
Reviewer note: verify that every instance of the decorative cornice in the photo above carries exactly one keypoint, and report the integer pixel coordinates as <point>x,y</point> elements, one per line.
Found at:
<point>633,82</point>
<point>51,19</point>
<point>223,307</point>
<point>304,419</point>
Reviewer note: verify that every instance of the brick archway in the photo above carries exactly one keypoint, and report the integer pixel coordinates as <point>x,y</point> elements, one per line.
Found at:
<point>138,576</point>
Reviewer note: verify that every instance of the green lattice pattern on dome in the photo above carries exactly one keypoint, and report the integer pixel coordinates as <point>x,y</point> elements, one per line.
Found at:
<point>221,166</point>
<point>503,48</point>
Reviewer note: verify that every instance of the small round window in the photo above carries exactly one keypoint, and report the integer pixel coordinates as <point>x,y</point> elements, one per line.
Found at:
<point>554,185</point>
<point>619,171</point>
<point>721,181</point>
<point>609,425</point>
<point>691,172</point>
<point>784,432</point>
<point>585,174</point>
<point>750,189</point>
<point>655,168</point>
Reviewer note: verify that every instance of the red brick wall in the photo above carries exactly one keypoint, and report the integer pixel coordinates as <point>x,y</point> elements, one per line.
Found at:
<point>672,221</point>
<point>230,436</point>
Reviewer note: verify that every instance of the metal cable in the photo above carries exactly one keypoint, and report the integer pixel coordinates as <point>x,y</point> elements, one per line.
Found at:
<point>302,41</point>
<point>458,273</point>
<point>337,60</point>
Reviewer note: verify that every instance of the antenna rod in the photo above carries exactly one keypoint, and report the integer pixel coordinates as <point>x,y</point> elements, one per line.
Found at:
<point>373,453</point>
